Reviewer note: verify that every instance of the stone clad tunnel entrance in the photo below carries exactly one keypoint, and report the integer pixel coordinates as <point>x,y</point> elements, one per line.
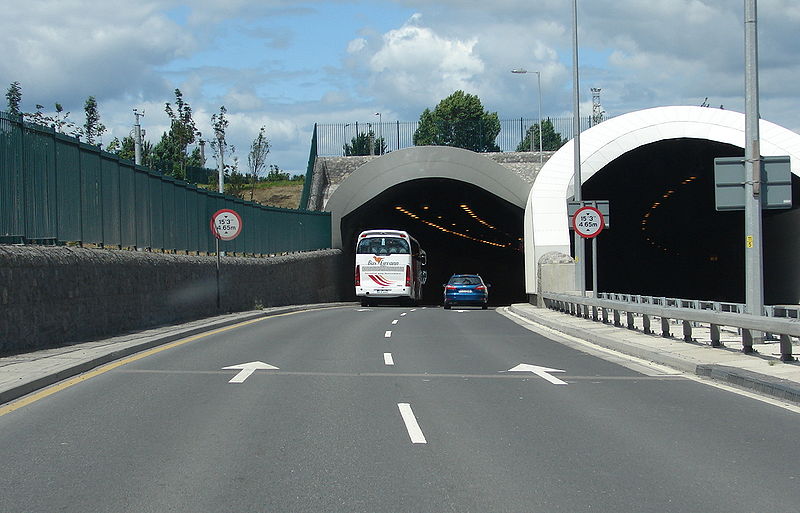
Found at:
<point>464,209</point>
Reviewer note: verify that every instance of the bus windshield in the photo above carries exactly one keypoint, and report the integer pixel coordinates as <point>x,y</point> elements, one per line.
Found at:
<point>383,246</point>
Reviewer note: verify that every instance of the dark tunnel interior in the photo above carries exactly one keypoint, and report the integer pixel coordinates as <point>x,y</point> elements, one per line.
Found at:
<point>666,237</point>
<point>462,228</point>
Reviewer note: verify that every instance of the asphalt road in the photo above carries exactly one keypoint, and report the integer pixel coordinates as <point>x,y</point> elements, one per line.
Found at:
<point>445,428</point>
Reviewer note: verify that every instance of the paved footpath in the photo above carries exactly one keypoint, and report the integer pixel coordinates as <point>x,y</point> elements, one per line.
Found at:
<point>763,373</point>
<point>24,373</point>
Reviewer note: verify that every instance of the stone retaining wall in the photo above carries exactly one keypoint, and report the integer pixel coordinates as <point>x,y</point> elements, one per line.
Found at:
<point>52,296</point>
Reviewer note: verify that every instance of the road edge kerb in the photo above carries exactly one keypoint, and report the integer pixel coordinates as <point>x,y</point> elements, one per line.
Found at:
<point>28,387</point>
<point>764,384</point>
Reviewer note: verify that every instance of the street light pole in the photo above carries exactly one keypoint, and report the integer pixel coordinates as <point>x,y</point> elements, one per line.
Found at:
<point>539,88</point>
<point>576,143</point>
<point>754,283</point>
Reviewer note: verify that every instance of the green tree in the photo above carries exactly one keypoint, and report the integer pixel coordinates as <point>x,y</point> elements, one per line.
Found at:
<point>93,129</point>
<point>551,140</point>
<point>223,152</point>
<point>14,98</point>
<point>365,143</point>
<point>461,121</point>
<point>257,158</point>
<point>182,133</point>
<point>124,149</point>
<point>58,121</point>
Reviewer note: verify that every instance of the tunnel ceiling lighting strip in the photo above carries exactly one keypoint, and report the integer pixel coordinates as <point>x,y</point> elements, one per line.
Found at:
<point>447,230</point>
<point>655,205</point>
<point>473,215</point>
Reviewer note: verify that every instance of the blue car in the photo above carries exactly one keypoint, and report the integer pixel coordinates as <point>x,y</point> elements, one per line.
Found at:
<point>466,289</point>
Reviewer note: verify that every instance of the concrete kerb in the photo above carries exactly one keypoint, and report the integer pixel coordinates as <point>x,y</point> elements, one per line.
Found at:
<point>128,345</point>
<point>686,357</point>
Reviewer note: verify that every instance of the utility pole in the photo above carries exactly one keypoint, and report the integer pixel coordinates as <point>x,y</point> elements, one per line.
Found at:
<point>202,152</point>
<point>137,138</point>
<point>754,280</point>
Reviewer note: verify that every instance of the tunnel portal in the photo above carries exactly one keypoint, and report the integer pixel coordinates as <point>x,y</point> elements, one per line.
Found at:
<point>462,227</point>
<point>667,238</point>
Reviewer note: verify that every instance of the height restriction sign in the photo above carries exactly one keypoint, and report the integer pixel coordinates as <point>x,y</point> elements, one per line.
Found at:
<point>588,222</point>
<point>226,224</point>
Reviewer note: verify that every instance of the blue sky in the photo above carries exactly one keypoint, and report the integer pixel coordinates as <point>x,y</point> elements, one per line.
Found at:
<point>287,64</point>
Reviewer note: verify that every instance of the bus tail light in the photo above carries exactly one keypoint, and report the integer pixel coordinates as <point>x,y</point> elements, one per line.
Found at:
<point>408,276</point>
<point>358,276</point>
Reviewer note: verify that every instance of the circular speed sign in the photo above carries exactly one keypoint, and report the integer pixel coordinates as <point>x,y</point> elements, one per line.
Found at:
<point>588,222</point>
<point>226,224</point>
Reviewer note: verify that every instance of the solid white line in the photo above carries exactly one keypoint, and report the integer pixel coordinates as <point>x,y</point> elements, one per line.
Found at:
<point>414,432</point>
<point>394,321</point>
<point>387,334</point>
<point>387,359</point>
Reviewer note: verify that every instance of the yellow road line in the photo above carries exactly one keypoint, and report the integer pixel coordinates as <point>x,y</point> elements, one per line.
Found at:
<point>33,397</point>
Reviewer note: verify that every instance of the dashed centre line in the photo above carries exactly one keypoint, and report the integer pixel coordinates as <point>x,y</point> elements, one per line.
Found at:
<point>388,334</point>
<point>412,426</point>
<point>394,321</point>
<point>387,359</point>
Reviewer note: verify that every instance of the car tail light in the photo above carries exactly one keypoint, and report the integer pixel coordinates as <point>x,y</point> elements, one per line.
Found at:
<point>450,287</point>
<point>408,276</point>
<point>480,287</point>
<point>358,276</point>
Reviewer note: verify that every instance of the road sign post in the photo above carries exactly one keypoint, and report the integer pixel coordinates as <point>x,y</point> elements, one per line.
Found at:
<point>226,224</point>
<point>588,221</point>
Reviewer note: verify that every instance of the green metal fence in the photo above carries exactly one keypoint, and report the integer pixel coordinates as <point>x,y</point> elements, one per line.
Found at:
<point>55,189</point>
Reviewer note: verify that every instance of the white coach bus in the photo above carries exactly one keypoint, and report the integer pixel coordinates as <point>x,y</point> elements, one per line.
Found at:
<point>389,266</point>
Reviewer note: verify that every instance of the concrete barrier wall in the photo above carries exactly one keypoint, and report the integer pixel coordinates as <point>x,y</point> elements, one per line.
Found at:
<point>53,296</point>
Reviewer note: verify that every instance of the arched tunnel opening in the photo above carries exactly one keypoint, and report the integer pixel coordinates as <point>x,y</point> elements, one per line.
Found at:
<point>666,236</point>
<point>464,229</point>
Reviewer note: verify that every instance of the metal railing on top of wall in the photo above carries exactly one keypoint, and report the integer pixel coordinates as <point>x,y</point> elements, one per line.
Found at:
<point>331,137</point>
<point>600,309</point>
<point>55,189</point>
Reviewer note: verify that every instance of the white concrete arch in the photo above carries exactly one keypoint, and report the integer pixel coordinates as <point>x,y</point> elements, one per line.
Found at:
<point>546,226</point>
<point>420,162</point>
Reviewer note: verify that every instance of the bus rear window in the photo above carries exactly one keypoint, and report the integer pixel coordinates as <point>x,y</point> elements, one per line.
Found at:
<point>383,246</point>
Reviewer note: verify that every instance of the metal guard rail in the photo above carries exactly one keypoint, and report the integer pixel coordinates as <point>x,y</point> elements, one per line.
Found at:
<point>702,304</point>
<point>580,305</point>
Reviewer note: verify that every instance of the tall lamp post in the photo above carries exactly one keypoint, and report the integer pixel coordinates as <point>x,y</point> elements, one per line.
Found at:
<point>539,88</point>
<point>576,144</point>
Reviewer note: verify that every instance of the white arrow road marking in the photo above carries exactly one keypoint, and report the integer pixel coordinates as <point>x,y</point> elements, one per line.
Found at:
<point>387,359</point>
<point>414,432</point>
<point>246,369</point>
<point>542,372</point>
<point>388,334</point>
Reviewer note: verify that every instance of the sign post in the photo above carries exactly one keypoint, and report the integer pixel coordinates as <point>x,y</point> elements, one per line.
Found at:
<point>226,224</point>
<point>594,217</point>
<point>588,222</point>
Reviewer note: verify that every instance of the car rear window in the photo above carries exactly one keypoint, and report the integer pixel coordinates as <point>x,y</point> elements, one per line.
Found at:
<point>465,280</point>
